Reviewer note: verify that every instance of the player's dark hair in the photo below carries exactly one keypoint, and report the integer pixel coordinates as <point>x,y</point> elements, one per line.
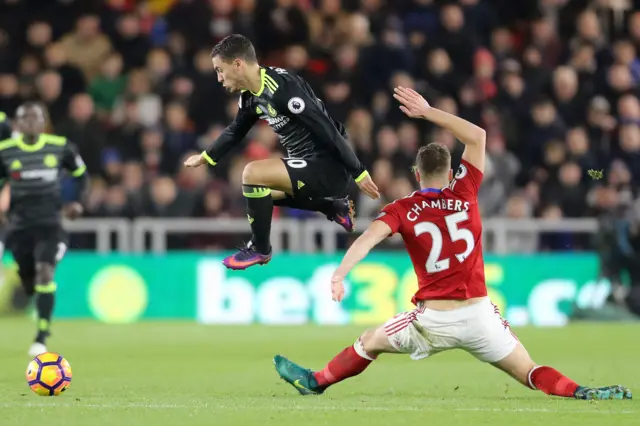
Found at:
<point>235,46</point>
<point>433,159</point>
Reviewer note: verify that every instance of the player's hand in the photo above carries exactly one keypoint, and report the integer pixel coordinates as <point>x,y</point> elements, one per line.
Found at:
<point>369,188</point>
<point>413,104</point>
<point>195,161</point>
<point>73,210</point>
<point>337,288</point>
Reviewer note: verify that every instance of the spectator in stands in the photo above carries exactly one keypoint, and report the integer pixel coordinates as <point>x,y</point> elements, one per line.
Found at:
<point>49,85</point>
<point>73,80</point>
<point>87,47</point>
<point>83,128</point>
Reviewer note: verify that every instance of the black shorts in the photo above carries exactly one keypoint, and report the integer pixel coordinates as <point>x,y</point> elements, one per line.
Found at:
<point>317,177</point>
<point>46,244</point>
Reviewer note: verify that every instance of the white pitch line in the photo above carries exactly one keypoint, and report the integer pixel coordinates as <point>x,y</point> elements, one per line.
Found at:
<point>310,408</point>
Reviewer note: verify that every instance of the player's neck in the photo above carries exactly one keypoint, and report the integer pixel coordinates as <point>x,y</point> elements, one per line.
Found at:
<point>254,79</point>
<point>433,184</point>
<point>30,139</point>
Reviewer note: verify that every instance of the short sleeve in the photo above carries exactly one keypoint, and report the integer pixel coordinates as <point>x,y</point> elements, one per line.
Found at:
<point>72,161</point>
<point>390,216</point>
<point>467,180</point>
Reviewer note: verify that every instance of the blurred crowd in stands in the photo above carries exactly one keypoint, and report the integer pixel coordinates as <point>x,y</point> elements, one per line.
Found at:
<point>556,83</point>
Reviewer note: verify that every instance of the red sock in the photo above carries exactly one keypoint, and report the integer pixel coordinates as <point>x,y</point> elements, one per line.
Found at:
<point>551,382</point>
<point>347,363</point>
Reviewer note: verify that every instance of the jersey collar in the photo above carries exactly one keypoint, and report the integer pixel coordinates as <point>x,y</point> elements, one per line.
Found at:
<point>31,147</point>
<point>262,74</point>
<point>430,190</point>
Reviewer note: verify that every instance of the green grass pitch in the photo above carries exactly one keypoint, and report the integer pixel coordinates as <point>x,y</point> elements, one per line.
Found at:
<point>184,374</point>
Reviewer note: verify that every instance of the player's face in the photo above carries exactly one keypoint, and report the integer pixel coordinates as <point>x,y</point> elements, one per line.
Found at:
<point>229,73</point>
<point>30,120</point>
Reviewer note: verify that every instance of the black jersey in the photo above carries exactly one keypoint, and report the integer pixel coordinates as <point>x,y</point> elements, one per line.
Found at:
<point>288,104</point>
<point>5,126</point>
<point>33,171</point>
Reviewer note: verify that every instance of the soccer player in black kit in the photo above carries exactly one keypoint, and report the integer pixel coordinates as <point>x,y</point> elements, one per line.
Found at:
<point>320,162</point>
<point>31,162</point>
<point>5,126</point>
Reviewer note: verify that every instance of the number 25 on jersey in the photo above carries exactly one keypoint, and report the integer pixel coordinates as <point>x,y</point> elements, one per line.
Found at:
<point>434,263</point>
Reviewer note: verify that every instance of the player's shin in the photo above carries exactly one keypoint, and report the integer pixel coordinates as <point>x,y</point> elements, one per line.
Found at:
<point>45,300</point>
<point>259,211</point>
<point>551,382</point>
<point>352,361</point>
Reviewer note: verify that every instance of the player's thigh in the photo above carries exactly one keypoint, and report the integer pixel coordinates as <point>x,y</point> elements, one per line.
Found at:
<point>487,336</point>
<point>405,333</point>
<point>517,364</point>
<point>317,177</point>
<point>270,173</point>
<point>375,341</point>
<point>50,246</point>
<point>23,255</point>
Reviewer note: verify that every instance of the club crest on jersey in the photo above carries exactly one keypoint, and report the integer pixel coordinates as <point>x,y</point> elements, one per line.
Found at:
<point>296,105</point>
<point>462,172</point>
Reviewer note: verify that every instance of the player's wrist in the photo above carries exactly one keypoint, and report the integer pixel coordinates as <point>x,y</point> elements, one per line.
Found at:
<point>361,176</point>
<point>206,157</point>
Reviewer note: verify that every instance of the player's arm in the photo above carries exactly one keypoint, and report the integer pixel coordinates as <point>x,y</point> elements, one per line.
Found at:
<point>300,105</point>
<point>387,223</point>
<point>73,163</point>
<point>473,137</point>
<point>5,193</point>
<point>230,137</point>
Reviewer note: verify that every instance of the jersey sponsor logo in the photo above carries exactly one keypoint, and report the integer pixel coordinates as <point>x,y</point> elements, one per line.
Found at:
<point>277,123</point>
<point>296,105</point>
<point>47,175</point>
<point>50,161</point>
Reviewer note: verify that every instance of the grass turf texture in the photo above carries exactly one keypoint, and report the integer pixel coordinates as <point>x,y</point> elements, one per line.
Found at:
<point>186,374</point>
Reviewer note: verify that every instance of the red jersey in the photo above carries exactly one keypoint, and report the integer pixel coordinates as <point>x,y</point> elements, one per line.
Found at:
<point>442,232</point>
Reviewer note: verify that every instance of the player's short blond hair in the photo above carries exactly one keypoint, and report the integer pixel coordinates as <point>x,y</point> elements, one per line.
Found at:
<point>433,160</point>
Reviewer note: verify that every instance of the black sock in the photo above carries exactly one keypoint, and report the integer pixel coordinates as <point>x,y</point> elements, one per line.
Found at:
<point>259,211</point>
<point>322,205</point>
<point>45,299</point>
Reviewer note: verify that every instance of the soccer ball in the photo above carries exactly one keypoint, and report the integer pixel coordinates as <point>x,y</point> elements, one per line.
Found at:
<point>49,374</point>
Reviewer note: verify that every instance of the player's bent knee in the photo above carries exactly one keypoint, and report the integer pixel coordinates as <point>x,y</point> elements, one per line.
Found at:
<point>251,175</point>
<point>375,341</point>
<point>44,273</point>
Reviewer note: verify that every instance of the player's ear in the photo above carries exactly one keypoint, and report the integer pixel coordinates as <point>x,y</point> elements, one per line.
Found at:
<point>417,173</point>
<point>450,175</point>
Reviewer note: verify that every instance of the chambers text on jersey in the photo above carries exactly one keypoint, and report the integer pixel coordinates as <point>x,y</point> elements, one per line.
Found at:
<point>33,172</point>
<point>290,107</point>
<point>442,231</point>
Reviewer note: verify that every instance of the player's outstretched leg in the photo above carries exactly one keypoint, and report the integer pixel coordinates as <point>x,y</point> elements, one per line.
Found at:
<point>519,365</point>
<point>350,362</point>
<point>45,291</point>
<point>338,210</point>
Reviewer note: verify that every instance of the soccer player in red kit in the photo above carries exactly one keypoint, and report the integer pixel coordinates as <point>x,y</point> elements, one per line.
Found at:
<point>442,231</point>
